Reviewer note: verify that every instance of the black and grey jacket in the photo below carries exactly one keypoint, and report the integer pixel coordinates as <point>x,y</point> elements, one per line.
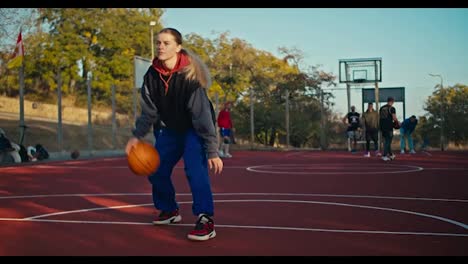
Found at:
<point>186,104</point>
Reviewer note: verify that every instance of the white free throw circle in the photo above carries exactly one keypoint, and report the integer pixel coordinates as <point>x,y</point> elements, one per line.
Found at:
<point>309,169</point>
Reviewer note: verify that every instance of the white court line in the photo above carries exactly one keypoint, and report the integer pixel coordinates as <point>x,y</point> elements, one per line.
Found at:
<point>105,167</point>
<point>260,169</point>
<point>71,195</point>
<point>57,163</point>
<point>445,168</point>
<point>237,194</point>
<point>443,219</point>
<point>427,153</point>
<point>254,168</point>
<point>90,210</point>
<point>293,154</point>
<point>248,227</point>
<point>321,167</point>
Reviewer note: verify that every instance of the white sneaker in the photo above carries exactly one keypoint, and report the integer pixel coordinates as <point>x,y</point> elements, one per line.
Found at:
<point>378,154</point>
<point>166,218</point>
<point>392,157</point>
<point>412,151</point>
<point>367,155</point>
<point>385,158</point>
<point>228,155</point>
<point>402,152</point>
<point>221,154</point>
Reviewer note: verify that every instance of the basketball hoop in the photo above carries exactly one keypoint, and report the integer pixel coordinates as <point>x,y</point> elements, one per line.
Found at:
<point>364,70</point>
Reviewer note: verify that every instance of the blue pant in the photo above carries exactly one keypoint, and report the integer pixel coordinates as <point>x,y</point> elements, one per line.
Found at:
<point>225,132</point>
<point>403,134</point>
<point>172,146</point>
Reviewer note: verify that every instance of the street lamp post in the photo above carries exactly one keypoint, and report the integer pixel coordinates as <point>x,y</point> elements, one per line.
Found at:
<point>441,110</point>
<point>152,24</point>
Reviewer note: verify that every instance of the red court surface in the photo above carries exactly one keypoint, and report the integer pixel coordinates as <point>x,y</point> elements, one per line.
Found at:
<point>266,204</point>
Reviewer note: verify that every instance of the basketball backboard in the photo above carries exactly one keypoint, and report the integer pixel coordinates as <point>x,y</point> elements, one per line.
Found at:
<point>366,70</point>
<point>398,93</point>
<point>140,67</point>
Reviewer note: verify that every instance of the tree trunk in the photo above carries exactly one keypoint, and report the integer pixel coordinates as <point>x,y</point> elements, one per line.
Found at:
<point>85,70</point>
<point>272,136</point>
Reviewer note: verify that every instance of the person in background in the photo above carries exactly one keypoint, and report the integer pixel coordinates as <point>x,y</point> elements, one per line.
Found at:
<point>225,130</point>
<point>353,126</point>
<point>406,131</point>
<point>387,122</point>
<point>370,120</point>
<point>31,151</point>
<point>425,143</point>
<point>9,151</point>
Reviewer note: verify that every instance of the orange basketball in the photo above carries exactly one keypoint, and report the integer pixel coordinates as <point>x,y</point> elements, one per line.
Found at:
<point>143,159</point>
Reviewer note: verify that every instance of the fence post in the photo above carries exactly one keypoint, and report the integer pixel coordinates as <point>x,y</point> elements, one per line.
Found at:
<point>114,123</point>
<point>287,118</point>
<point>90,129</point>
<point>251,119</point>
<point>59,111</point>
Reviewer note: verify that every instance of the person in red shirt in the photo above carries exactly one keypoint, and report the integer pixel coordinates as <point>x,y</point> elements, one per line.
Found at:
<point>225,127</point>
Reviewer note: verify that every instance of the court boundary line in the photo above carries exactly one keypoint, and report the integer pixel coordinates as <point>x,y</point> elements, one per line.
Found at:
<point>242,193</point>
<point>443,219</point>
<point>99,167</point>
<point>248,227</point>
<point>254,168</point>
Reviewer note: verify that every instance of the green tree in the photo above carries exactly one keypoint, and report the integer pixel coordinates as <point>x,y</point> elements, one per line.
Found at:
<point>447,107</point>
<point>101,43</point>
<point>270,77</point>
<point>80,41</point>
<point>427,130</point>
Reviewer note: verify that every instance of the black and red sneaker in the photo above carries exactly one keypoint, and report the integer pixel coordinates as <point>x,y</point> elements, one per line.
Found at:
<point>165,218</point>
<point>204,229</point>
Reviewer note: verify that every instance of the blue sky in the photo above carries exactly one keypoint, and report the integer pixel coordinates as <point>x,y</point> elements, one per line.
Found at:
<point>412,42</point>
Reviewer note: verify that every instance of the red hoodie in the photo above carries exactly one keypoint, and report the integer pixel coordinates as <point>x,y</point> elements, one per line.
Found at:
<point>224,119</point>
<point>182,61</point>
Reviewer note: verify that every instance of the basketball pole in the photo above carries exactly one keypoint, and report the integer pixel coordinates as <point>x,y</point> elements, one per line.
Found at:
<point>379,139</point>
<point>377,100</point>
<point>348,94</point>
